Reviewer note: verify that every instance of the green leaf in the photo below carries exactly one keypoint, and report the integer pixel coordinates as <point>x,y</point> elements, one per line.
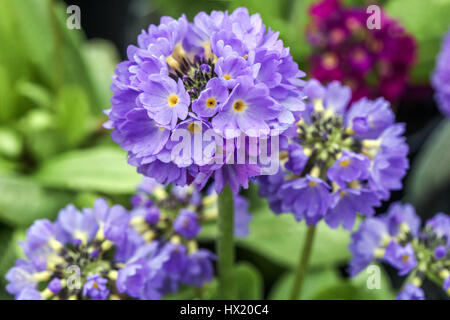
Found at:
<point>358,288</point>
<point>7,166</point>
<point>101,58</point>
<point>249,282</point>
<point>10,143</point>
<point>36,93</point>
<point>85,199</point>
<point>100,169</point>
<point>430,170</point>
<point>32,27</point>
<point>315,281</point>
<point>23,200</point>
<point>45,144</point>
<point>280,238</point>
<point>428,21</point>
<point>6,95</point>
<point>363,280</point>
<point>73,115</point>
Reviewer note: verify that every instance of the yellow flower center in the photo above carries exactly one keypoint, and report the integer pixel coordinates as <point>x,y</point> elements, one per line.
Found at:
<point>312,183</point>
<point>239,106</point>
<point>211,102</point>
<point>345,163</point>
<point>330,61</point>
<point>173,100</point>
<point>95,285</point>
<point>227,77</point>
<point>405,258</point>
<point>193,128</point>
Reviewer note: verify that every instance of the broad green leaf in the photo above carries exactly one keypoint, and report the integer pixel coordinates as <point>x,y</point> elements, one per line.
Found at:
<point>249,282</point>
<point>39,126</point>
<point>6,95</point>
<point>13,58</point>
<point>72,114</point>
<point>367,278</point>
<point>315,281</point>
<point>36,93</point>
<point>430,170</point>
<point>22,201</point>
<point>45,144</point>
<point>428,21</point>
<point>7,166</point>
<point>10,143</point>
<point>362,287</point>
<point>31,23</point>
<point>85,199</point>
<point>99,169</point>
<point>101,57</point>
<point>280,239</point>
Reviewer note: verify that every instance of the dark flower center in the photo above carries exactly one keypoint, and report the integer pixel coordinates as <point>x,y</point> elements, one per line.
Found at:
<point>195,73</point>
<point>324,139</point>
<point>239,106</point>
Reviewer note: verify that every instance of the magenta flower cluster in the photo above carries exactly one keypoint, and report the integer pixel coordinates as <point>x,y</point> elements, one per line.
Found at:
<point>372,62</point>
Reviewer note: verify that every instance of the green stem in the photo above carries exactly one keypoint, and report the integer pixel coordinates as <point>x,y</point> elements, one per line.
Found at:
<point>303,265</point>
<point>225,244</point>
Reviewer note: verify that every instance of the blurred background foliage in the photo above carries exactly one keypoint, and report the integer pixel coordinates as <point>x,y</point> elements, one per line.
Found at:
<point>54,84</point>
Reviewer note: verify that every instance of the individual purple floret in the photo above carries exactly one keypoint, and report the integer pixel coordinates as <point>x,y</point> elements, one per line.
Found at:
<point>96,288</point>
<point>186,224</point>
<point>411,292</point>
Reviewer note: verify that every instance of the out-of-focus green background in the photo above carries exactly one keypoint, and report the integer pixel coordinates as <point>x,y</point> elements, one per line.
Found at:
<point>54,84</point>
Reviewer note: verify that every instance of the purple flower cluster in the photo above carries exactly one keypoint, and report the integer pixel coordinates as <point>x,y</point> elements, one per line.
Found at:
<point>193,206</point>
<point>222,72</point>
<point>396,238</point>
<point>340,161</point>
<point>441,77</point>
<point>109,253</point>
<point>373,62</point>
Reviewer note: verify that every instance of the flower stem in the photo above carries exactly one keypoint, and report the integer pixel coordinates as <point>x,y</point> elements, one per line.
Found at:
<point>225,244</point>
<point>303,265</point>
